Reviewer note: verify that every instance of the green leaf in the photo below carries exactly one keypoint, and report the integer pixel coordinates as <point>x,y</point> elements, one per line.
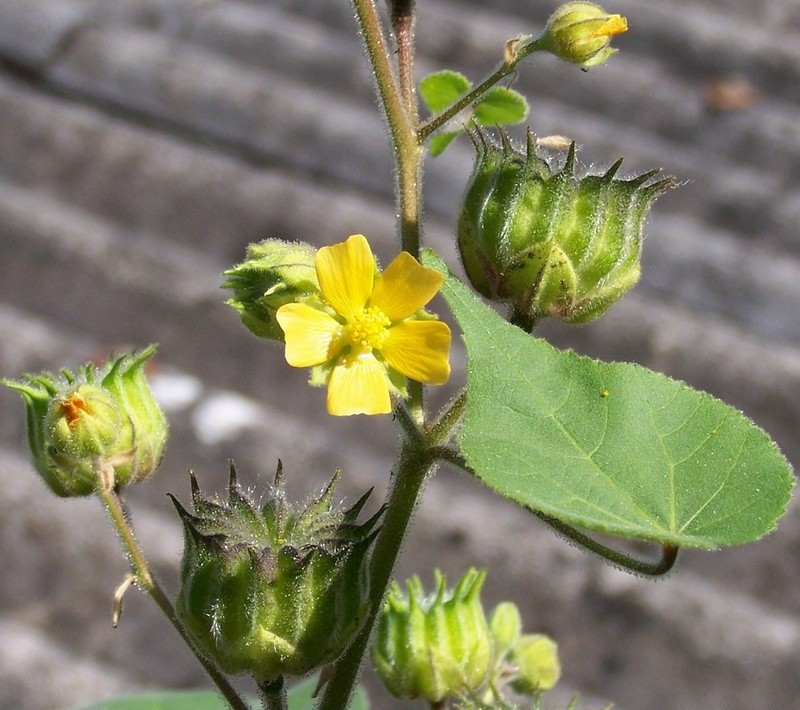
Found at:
<point>168,700</point>
<point>300,698</point>
<point>440,142</point>
<point>611,447</point>
<point>441,89</point>
<point>501,107</point>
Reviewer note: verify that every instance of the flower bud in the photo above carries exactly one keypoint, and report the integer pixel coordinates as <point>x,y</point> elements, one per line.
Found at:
<point>273,274</point>
<point>437,646</point>
<point>546,242</point>
<point>91,419</point>
<point>506,627</point>
<point>271,590</point>
<point>581,32</point>
<point>538,667</point>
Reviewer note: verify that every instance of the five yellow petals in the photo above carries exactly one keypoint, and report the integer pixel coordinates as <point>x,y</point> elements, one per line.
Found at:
<point>375,326</point>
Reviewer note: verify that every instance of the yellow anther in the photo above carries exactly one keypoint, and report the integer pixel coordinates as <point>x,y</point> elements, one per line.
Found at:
<point>369,327</point>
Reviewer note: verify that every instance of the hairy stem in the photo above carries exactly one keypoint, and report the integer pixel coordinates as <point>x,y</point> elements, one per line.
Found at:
<point>414,464</point>
<point>516,51</point>
<point>403,28</point>
<point>401,122</point>
<point>147,583</point>
<point>273,694</point>
<point>669,553</point>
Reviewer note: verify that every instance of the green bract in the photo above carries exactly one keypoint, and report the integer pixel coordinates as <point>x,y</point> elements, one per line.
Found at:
<point>434,647</point>
<point>93,418</point>
<point>271,590</point>
<point>546,242</point>
<point>273,274</point>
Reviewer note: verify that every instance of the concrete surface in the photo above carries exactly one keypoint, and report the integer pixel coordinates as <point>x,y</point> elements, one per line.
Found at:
<point>144,143</point>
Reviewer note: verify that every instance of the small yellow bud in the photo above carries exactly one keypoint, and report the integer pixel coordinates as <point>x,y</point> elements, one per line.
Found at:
<point>581,32</point>
<point>506,627</point>
<point>538,666</point>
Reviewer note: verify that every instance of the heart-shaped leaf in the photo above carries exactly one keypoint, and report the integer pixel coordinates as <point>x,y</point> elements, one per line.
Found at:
<point>611,447</point>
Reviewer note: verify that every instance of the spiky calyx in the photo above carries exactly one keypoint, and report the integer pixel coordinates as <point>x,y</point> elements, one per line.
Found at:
<point>434,647</point>
<point>91,419</point>
<point>270,590</point>
<point>548,243</point>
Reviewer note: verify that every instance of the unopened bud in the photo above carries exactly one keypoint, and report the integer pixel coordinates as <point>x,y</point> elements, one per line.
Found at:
<point>273,274</point>
<point>538,666</point>
<point>506,627</point>
<point>92,419</point>
<point>581,32</point>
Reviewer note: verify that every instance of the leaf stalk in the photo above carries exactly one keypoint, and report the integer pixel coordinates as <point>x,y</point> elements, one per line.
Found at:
<point>516,50</point>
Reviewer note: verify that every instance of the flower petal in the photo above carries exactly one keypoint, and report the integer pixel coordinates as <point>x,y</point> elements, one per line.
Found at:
<point>358,386</point>
<point>419,349</point>
<point>312,336</point>
<point>405,287</point>
<point>346,273</point>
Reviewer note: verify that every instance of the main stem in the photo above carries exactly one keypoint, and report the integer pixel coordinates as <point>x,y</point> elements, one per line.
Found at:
<point>412,468</point>
<point>144,580</point>
<point>273,694</point>
<point>398,101</point>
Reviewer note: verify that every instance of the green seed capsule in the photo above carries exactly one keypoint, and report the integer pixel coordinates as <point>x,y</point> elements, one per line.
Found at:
<point>270,590</point>
<point>434,647</point>
<point>546,242</point>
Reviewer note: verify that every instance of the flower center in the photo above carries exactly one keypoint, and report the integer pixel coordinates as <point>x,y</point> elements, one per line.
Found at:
<point>368,328</point>
<point>73,407</point>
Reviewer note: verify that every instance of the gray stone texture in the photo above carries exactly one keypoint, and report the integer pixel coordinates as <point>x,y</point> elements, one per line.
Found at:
<point>144,143</point>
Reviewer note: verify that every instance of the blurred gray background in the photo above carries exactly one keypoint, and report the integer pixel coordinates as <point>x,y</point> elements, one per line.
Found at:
<point>144,143</point>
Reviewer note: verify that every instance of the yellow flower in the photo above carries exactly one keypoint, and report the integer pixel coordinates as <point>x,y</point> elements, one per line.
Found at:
<point>368,329</point>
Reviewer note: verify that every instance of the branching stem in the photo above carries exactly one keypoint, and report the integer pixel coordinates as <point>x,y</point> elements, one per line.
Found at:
<point>442,429</point>
<point>146,582</point>
<point>516,51</point>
